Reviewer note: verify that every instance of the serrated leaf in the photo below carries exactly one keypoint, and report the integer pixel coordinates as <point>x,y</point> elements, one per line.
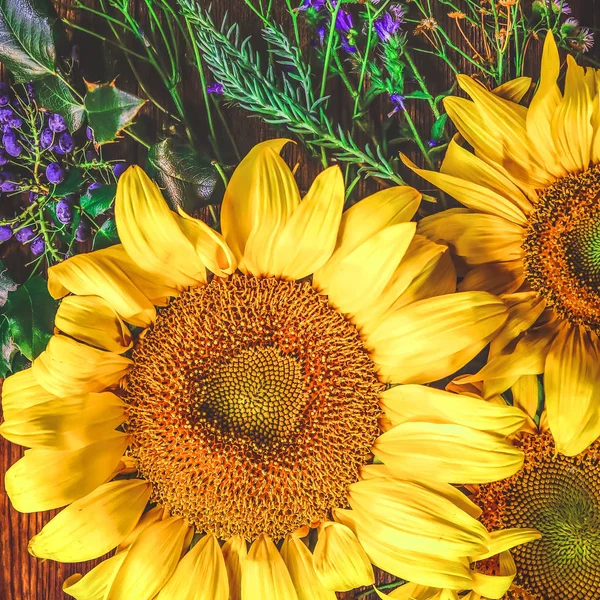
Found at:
<point>98,201</point>
<point>71,184</point>
<point>187,178</point>
<point>6,284</point>
<point>30,314</point>
<point>27,47</point>
<point>54,95</point>
<point>106,236</point>
<point>109,110</point>
<point>437,129</point>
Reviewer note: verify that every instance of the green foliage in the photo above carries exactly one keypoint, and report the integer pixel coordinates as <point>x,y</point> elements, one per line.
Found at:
<point>96,202</point>
<point>29,312</point>
<point>109,110</point>
<point>53,94</point>
<point>26,38</point>
<point>106,236</point>
<point>187,178</point>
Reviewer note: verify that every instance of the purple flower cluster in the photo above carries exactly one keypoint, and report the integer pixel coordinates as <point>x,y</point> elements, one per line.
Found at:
<point>389,24</point>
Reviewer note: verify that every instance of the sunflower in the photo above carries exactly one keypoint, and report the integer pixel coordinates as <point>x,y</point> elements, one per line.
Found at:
<point>555,494</point>
<point>530,232</point>
<point>211,405</point>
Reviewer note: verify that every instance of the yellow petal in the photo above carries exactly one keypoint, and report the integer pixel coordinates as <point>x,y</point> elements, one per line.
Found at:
<point>361,276</point>
<point>235,554</point>
<point>259,200</point>
<point>526,396</point>
<point>432,338</point>
<point>413,566</point>
<point>95,584</point>
<point>339,560</point>
<point>91,320</point>
<point>447,452</point>
<point>460,162</point>
<point>68,367</point>
<point>411,516</point>
<point>93,525</point>
<point>308,238</point>
<point>21,391</point>
<point>65,423</point>
<point>158,513</point>
<point>505,539</point>
<point>496,278</point>
<point>472,195</point>
<point>404,403</point>
<point>513,90</point>
<point>264,574</point>
<point>47,479</point>
<point>299,562</point>
<point>477,237</point>
<point>572,386</point>
<point>367,218</point>
<point>209,245</point>
<point>414,591</point>
<point>571,123</point>
<point>150,561</point>
<point>150,233</point>
<point>201,574</point>
<point>101,274</point>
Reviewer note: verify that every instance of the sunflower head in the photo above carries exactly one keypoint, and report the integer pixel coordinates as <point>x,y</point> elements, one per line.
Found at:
<point>229,437</point>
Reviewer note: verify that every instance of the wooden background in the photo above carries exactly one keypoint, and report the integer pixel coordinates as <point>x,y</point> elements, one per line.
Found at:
<point>23,577</point>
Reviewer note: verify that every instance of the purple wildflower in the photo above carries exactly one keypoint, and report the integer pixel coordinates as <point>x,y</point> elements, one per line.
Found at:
<point>54,173</point>
<point>11,143</point>
<point>585,39</point>
<point>398,11</point>
<point>3,157</point>
<point>386,27</point>
<point>343,22</point>
<point>5,233</point>
<point>4,95</point>
<point>57,123</point>
<point>6,113</point>
<point>37,246</point>
<point>46,138</point>
<point>14,121</point>
<point>215,88</point>
<point>398,102</point>
<point>347,46</point>
<point>561,6</point>
<point>24,234</point>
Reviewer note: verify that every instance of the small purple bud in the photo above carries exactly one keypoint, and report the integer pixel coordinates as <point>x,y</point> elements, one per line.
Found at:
<point>5,233</point>
<point>54,173</point>
<point>5,114</point>
<point>24,234</point>
<point>4,98</point>
<point>30,90</point>
<point>91,155</point>
<point>58,150</point>
<point>64,212</point>
<point>9,186</point>
<point>432,143</point>
<point>83,231</point>
<point>46,138</point>
<point>38,246</point>
<point>94,186</point>
<point>15,121</point>
<point>119,169</point>
<point>89,133</point>
<point>3,158</point>
<point>66,142</point>
<point>33,196</point>
<point>11,143</point>
<point>215,88</point>
<point>57,123</point>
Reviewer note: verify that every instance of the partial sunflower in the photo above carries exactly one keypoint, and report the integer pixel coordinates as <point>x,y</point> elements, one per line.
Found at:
<point>557,495</point>
<point>247,407</point>
<point>531,233</point>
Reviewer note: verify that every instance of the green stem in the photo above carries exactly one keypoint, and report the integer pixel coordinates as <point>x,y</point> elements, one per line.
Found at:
<point>365,60</point>
<point>44,230</point>
<point>422,84</point>
<point>418,140</point>
<point>138,139</point>
<point>220,171</point>
<point>328,51</point>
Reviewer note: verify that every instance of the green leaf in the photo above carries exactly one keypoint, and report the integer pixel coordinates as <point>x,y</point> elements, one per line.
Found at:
<point>71,184</point>
<point>109,110</point>
<point>98,201</point>
<point>30,313</point>
<point>53,94</point>
<point>437,129</point>
<point>7,349</point>
<point>6,284</point>
<point>187,178</point>
<point>26,38</point>
<point>106,236</point>
<point>419,95</point>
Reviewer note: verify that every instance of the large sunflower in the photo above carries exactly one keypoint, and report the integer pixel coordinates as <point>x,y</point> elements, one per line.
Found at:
<point>247,408</point>
<point>531,233</point>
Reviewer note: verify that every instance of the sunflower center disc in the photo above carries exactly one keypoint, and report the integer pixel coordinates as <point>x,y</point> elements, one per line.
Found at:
<point>560,496</point>
<point>253,405</point>
<point>562,247</point>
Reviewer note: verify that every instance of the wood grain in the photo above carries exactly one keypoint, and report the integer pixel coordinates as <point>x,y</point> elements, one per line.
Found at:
<point>25,578</point>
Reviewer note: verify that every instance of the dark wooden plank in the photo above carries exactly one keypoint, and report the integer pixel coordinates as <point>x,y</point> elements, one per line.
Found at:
<point>25,578</point>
